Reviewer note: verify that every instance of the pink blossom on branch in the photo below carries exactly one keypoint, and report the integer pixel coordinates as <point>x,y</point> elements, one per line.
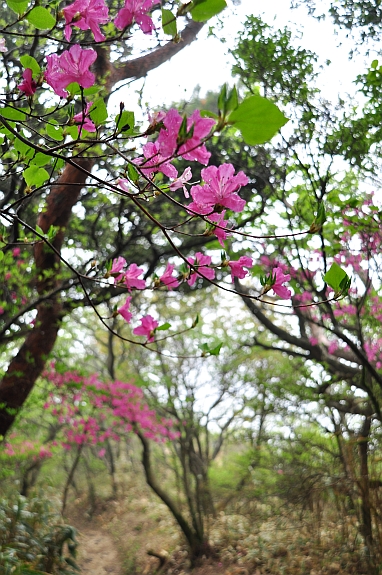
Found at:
<point>237,267</point>
<point>200,262</point>
<point>124,310</point>
<point>83,120</point>
<point>131,277</point>
<point>147,328</point>
<point>192,149</point>
<point>118,265</point>
<point>181,181</point>
<point>168,279</point>
<point>72,66</point>
<point>86,15</point>
<point>221,224</point>
<point>153,162</point>
<point>275,281</point>
<point>219,190</point>
<point>136,11</point>
<point>28,85</point>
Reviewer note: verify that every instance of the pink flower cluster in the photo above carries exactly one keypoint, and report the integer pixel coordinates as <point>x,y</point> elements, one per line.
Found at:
<point>94,411</point>
<point>158,155</point>
<point>72,66</point>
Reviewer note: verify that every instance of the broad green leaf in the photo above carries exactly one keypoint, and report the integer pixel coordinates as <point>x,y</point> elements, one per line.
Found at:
<point>40,159</point>
<point>206,9</point>
<point>98,112</point>
<point>169,23</point>
<point>23,148</point>
<point>18,6</point>
<point>35,176</point>
<point>91,91</point>
<point>55,132</point>
<point>334,276</point>
<point>30,62</point>
<point>41,18</point>
<point>258,120</point>
<point>1,255</point>
<point>12,114</point>
<point>72,131</point>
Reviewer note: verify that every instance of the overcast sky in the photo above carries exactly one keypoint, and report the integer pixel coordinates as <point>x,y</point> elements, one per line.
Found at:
<point>207,61</point>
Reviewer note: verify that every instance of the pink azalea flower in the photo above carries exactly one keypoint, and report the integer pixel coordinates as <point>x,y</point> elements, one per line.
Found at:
<point>237,267</point>
<point>136,11</point>
<point>277,287</point>
<point>219,190</point>
<point>147,327</point>
<point>155,162</point>
<point>131,277</point>
<point>3,47</point>
<point>191,150</point>
<point>16,252</point>
<point>118,265</point>
<point>83,120</point>
<point>86,15</point>
<point>180,182</point>
<point>72,66</point>
<point>28,85</point>
<point>124,310</point>
<point>200,261</point>
<point>168,279</point>
<point>218,219</point>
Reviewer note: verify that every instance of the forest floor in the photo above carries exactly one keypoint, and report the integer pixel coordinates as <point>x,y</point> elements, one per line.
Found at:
<point>124,536</point>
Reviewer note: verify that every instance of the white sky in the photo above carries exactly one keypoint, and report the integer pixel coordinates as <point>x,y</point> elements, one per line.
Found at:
<point>206,62</point>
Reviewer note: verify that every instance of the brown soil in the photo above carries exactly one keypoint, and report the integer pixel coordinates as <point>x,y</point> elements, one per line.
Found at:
<point>98,554</point>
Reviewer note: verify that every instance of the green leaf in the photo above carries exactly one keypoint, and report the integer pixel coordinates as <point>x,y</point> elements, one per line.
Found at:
<point>163,327</point>
<point>41,18</point>
<point>374,64</point>
<point>23,149</point>
<point>15,114</point>
<point>205,9</point>
<point>206,350</point>
<point>35,176</point>
<point>132,173</point>
<point>125,122</point>
<point>334,276</point>
<point>258,120</point>
<point>18,6</point>
<point>169,23</point>
<point>55,132</point>
<point>319,220</point>
<point>30,62</point>
<point>98,112</point>
<point>40,231</point>
<point>40,159</point>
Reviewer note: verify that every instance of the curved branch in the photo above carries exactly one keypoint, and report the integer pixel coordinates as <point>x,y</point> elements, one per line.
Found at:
<point>139,67</point>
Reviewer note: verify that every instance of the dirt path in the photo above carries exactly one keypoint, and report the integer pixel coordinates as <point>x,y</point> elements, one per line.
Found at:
<point>98,554</point>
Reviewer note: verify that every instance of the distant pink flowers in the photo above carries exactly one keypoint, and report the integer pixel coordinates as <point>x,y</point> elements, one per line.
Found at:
<point>219,190</point>
<point>28,85</point>
<point>72,66</point>
<point>86,15</point>
<point>136,11</point>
